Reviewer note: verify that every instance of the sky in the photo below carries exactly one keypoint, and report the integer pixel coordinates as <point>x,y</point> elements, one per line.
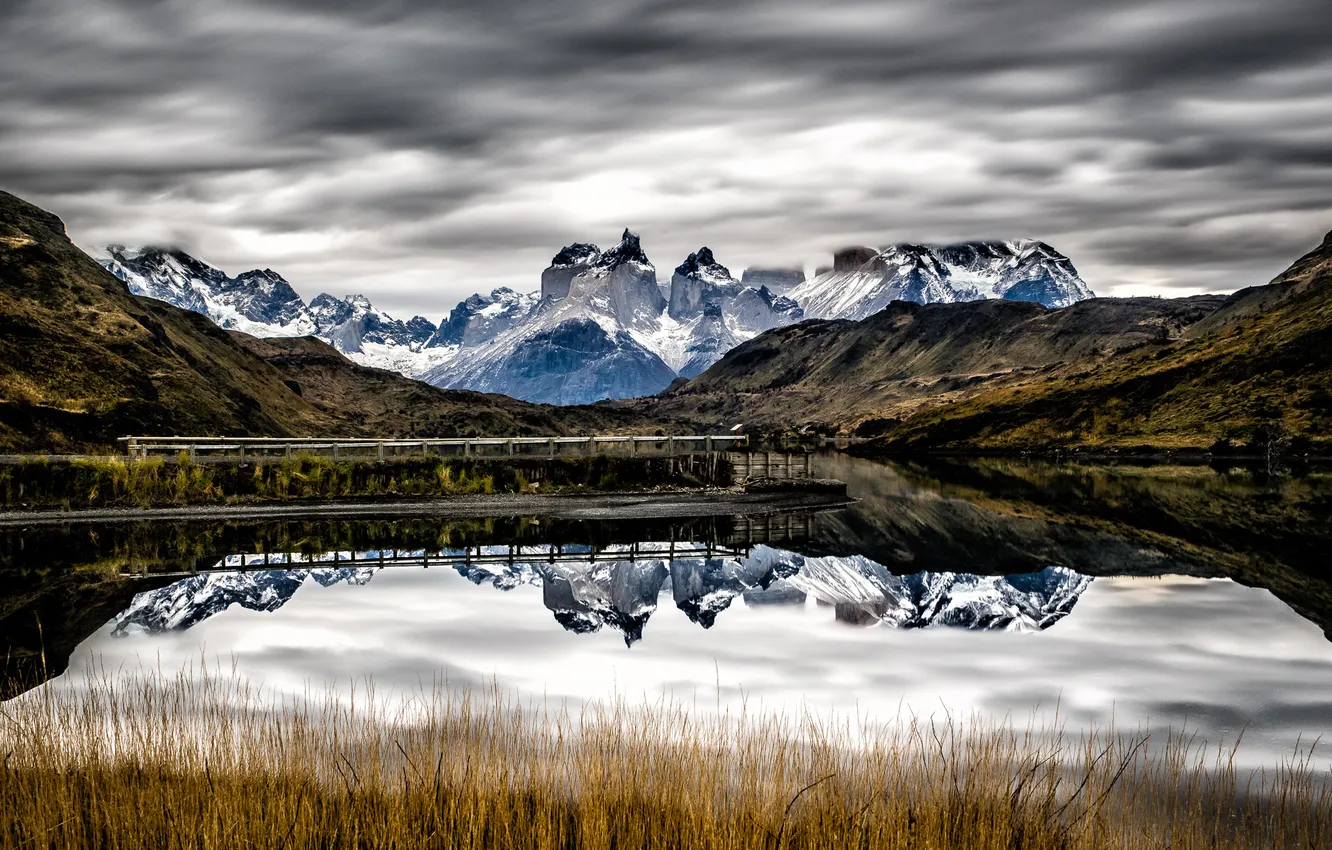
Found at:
<point>419,151</point>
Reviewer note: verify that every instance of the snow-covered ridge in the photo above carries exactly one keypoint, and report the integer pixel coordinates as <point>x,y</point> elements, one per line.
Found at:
<point>601,325</point>
<point>262,303</point>
<point>863,281</point>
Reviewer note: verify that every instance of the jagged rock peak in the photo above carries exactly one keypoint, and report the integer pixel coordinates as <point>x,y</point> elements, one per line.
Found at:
<point>256,275</point>
<point>576,254</point>
<point>630,250</point>
<point>702,261</point>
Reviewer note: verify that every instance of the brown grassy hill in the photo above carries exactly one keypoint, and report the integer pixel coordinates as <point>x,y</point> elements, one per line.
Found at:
<point>910,355</point>
<point>1257,370</point>
<point>83,361</point>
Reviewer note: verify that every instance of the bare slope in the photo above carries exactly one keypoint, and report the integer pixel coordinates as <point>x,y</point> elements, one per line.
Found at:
<point>909,355</point>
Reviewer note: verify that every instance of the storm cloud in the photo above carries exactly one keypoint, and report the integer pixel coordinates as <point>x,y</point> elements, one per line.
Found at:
<point>419,152</point>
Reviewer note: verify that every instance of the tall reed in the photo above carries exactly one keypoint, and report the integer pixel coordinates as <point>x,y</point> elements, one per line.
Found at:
<point>162,761</point>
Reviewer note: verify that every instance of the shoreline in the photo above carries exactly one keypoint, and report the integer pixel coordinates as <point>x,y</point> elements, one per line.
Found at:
<point>613,505</point>
<point>1105,456</point>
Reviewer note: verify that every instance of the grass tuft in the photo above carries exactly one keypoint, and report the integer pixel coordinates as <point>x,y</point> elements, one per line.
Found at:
<point>119,482</point>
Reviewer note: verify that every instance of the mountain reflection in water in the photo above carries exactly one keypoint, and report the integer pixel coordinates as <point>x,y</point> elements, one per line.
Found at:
<point>1180,596</point>
<point>587,596</point>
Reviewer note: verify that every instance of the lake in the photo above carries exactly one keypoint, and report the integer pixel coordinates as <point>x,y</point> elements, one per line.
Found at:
<point>1151,597</point>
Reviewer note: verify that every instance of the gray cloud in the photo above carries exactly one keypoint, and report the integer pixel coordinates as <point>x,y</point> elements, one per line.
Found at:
<point>419,151</point>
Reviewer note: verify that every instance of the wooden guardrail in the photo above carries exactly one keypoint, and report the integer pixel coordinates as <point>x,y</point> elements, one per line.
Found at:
<point>239,449</point>
<point>769,465</point>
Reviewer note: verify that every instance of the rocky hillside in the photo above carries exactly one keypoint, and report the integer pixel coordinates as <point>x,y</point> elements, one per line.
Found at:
<point>1256,372</point>
<point>839,374</point>
<point>82,361</point>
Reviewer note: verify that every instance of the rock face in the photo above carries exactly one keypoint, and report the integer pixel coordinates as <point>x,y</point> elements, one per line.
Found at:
<point>591,335</point>
<point>575,361</point>
<point>623,282</point>
<point>603,328</point>
<point>699,281</point>
<point>570,262</point>
<point>864,280</point>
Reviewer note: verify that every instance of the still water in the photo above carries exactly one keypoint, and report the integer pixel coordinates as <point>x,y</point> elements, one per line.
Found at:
<point>1165,597</point>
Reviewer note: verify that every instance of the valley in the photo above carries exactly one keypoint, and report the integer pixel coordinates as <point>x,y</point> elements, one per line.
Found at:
<point>990,347</point>
<point>603,324</point>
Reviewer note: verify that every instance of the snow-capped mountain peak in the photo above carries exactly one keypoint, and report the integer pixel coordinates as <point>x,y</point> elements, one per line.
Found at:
<point>629,250</point>
<point>863,280</point>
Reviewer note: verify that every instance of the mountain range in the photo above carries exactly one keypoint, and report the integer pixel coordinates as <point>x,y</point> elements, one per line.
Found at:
<point>602,326</point>
<point>623,595</point>
<point>83,360</point>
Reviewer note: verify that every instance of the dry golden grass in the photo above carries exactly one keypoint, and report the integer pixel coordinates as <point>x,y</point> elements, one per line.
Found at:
<point>168,762</point>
